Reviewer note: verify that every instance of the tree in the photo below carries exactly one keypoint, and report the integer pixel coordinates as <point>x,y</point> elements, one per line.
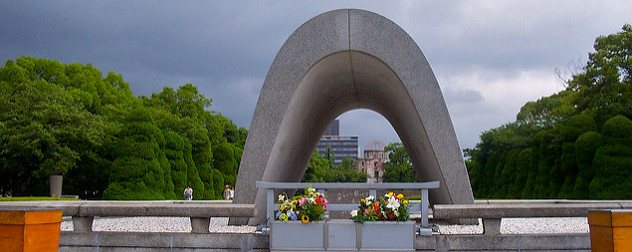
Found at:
<point>224,161</point>
<point>44,130</point>
<point>548,111</point>
<point>317,169</point>
<point>346,172</point>
<point>399,167</point>
<point>174,152</point>
<point>571,130</point>
<point>215,141</point>
<point>203,158</point>
<point>562,131</point>
<point>193,176</point>
<point>613,161</point>
<point>585,147</point>
<point>546,162</point>
<point>60,118</point>
<point>508,174</point>
<point>522,174</point>
<point>529,188</point>
<point>137,172</point>
<point>604,87</point>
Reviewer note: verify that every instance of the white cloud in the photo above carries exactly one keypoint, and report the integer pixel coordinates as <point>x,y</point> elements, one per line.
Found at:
<point>502,97</point>
<point>368,126</point>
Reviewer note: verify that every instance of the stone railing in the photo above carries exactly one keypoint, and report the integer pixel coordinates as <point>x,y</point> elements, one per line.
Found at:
<point>493,211</point>
<point>200,212</point>
<point>421,208</point>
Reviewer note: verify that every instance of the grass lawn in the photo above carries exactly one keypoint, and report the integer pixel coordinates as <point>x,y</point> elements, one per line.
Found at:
<point>414,197</point>
<point>33,198</point>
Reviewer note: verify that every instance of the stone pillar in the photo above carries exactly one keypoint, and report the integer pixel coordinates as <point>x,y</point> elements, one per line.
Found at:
<point>491,226</point>
<point>82,223</point>
<point>56,182</point>
<point>200,225</point>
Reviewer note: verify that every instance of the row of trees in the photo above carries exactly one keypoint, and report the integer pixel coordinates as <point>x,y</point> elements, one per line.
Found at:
<point>322,169</point>
<point>575,144</point>
<point>398,169</point>
<point>67,119</point>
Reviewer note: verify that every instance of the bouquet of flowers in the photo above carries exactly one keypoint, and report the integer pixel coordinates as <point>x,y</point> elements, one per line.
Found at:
<point>307,208</point>
<point>390,207</point>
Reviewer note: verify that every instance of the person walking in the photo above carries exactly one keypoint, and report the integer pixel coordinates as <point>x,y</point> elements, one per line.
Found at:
<point>188,193</point>
<point>227,192</point>
<point>232,192</point>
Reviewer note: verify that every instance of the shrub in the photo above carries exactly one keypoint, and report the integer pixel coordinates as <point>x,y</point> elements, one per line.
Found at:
<point>585,147</point>
<point>569,169</point>
<point>613,161</point>
<point>174,153</point>
<point>193,177</point>
<point>617,130</point>
<point>140,170</point>
<point>613,173</point>
<point>522,174</point>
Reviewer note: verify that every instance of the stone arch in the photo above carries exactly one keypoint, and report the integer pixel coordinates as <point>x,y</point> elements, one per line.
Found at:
<point>339,61</point>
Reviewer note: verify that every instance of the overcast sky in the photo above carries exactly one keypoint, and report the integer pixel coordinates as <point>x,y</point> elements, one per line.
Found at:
<point>490,57</point>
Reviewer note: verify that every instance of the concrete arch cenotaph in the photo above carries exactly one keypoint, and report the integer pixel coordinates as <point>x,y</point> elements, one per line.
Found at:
<point>339,61</point>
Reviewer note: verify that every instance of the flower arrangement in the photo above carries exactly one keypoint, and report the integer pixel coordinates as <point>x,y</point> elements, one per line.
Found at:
<point>307,208</point>
<point>390,207</point>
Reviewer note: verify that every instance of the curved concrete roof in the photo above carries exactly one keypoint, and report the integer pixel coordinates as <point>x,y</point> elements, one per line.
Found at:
<point>339,61</point>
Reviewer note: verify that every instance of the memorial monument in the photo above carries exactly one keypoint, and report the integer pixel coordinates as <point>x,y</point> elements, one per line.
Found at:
<point>340,61</point>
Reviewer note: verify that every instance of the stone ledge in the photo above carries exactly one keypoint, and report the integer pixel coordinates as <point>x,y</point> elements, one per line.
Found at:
<point>513,210</point>
<point>152,241</point>
<point>143,208</point>
<point>116,241</point>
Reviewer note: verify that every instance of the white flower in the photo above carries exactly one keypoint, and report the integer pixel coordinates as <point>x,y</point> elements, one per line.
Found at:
<point>354,213</point>
<point>393,203</point>
<point>281,197</point>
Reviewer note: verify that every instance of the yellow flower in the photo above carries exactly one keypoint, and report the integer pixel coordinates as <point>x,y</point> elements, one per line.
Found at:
<point>390,194</point>
<point>400,196</point>
<point>305,219</point>
<point>362,200</point>
<point>404,201</point>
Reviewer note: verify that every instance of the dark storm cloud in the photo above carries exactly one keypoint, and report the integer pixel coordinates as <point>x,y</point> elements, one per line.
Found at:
<point>489,56</point>
<point>172,39</point>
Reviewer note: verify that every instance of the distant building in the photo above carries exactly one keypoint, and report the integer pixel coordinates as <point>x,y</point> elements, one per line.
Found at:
<point>339,146</point>
<point>373,161</point>
<point>333,129</point>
